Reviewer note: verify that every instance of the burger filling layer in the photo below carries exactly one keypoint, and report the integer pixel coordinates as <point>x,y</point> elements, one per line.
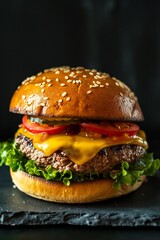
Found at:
<point>102,162</point>
<point>68,150</point>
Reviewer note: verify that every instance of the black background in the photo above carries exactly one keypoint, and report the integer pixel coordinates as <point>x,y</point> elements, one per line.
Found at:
<point>120,37</point>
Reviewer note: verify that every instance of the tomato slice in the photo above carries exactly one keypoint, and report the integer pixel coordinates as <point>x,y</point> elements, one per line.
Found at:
<point>112,128</point>
<point>35,127</point>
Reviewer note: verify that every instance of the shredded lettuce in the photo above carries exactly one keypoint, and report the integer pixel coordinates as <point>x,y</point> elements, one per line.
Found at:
<point>126,173</point>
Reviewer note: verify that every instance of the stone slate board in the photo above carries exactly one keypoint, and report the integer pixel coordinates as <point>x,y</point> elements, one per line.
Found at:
<point>141,208</point>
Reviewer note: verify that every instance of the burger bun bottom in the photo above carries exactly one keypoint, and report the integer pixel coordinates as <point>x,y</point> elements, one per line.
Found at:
<point>84,192</point>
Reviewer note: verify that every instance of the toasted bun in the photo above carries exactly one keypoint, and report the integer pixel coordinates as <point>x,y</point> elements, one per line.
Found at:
<point>90,191</point>
<point>76,92</point>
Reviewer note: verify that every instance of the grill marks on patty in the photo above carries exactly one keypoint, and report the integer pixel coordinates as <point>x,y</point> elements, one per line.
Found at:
<point>103,162</point>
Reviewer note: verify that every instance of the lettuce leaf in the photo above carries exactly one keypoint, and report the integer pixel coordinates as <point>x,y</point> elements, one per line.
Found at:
<point>126,173</point>
<point>130,173</point>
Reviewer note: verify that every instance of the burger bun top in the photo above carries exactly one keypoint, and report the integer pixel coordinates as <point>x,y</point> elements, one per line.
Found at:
<point>66,92</point>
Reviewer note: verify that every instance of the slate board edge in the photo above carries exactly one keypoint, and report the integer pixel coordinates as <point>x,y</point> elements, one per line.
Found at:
<point>115,219</point>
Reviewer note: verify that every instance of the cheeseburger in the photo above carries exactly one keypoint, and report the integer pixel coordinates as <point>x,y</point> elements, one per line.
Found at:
<point>79,140</point>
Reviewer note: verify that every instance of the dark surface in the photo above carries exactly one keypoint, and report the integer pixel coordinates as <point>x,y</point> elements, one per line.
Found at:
<point>141,208</point>
<point>78,233</point>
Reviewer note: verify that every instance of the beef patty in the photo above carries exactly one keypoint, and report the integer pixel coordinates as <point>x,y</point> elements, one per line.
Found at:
<point>103,162</point>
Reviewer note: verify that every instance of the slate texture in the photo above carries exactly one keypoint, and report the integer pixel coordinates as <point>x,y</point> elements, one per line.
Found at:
<point>141,208</point>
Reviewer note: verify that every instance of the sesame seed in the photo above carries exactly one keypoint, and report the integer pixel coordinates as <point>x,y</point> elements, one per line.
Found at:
<point>53,69</point>
<point>131,94</point>
<point>71,74</point>
<point>63,84</point>
<point>107,84</point>
<point>26,83</point>
<point>43,78</point>
<point>33,77</point>
<point>84,76</point>
<point>114,78</point>
<point>57,79</point>
<point>69,80</point>
<point>98,73</point>
<point>98,82</point>
<point>62,68</point>
<point>95,85</point>
<point>78,81</point>
<point>39,73</point>
<point>121,94</point>
<point>48,80</point>
<point>47,70</point>
<point>23,96</point>
<point>78,71</point>
<point>106,75</point>
<point>64,94</point>
<point>49,84</point>
<point>117,83</point>
<point>121,84</point>
<point>42,90</point>
<point>45,98</point>
<point>91,73</point>
<point>60,100</point>
<point>43,83</point>
<point>42,104</point>
<point>89,91</point>
<point>99,76</point>
<point>57,72</point>
<point>101,86</point>
<point>68,98</point>
<point>94,70</point>
<point>66,71</point>
<point>74,81</point>
<point>79,68</point>
<point>26,80</point>
<point>66,77</point>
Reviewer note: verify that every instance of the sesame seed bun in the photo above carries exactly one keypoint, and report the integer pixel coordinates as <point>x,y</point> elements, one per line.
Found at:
<point>76,93</point>
<point>97,190</point>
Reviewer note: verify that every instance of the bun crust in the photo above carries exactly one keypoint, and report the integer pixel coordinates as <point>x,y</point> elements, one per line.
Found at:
<point>77,93</point>
<point>85,192</point>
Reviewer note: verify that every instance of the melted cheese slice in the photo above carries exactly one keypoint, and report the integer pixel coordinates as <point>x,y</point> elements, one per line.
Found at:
<point>78,148</point>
